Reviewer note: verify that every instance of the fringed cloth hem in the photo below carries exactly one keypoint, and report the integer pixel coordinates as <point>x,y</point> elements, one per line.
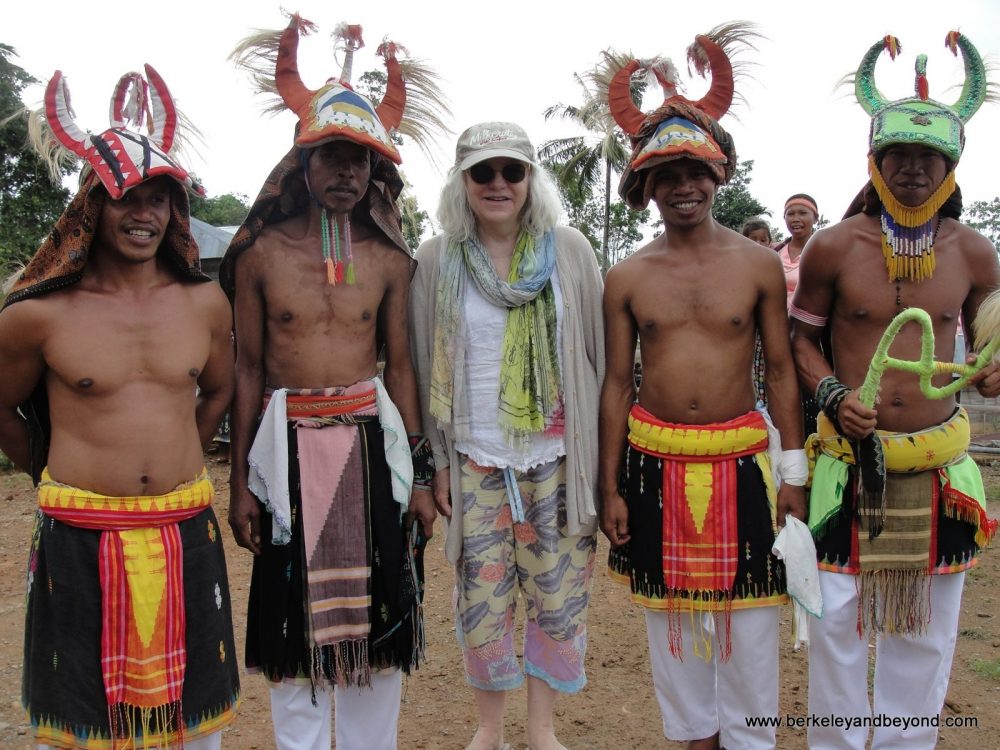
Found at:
<point>656,598</point>
<point>58,736</point>
<point>935,520</point>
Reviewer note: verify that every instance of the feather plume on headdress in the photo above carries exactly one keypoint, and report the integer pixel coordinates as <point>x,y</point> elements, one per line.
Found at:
<point>56,157</point>
<point>257,55</point>
<point>734,38</point>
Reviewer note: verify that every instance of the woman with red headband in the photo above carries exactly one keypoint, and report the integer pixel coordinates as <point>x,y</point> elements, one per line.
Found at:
<point>801,215</point>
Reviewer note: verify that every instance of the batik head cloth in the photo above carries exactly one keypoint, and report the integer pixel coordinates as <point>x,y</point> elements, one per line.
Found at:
<point>123,158</point>
<point>920,119</point>
<point>679,128</point>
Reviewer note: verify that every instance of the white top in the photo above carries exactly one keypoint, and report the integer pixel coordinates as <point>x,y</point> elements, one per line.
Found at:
<point>483,325</point>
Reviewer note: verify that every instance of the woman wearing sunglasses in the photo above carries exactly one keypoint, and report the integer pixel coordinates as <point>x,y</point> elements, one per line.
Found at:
<point>508,338</point>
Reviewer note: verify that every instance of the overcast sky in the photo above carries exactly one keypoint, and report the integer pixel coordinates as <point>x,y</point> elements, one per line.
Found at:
<point>511,59</point>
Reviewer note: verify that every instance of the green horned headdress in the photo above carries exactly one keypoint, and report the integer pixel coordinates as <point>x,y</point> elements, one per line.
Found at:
<point>920,119</point>
<point>909,232</point>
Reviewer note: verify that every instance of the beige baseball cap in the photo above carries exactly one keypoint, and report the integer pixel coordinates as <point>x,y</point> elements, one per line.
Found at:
<point>488,140</point>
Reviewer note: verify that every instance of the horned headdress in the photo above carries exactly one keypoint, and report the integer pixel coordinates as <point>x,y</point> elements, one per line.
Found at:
<point>920,119</point>
<point>121,157</point>
<point>410,106</point>
<point>679,127</point>
<point>909,232</point>
<point>146,131</point>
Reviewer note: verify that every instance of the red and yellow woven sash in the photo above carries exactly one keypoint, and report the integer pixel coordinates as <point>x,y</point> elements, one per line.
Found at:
<point>143,631</point>
<point>306,403</point>
<point>700,535</point>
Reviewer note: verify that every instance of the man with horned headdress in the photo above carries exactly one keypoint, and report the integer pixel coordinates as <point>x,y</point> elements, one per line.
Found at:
<point>693,507</point>
<point>324,453</point>
<point>897,505</point>
<point>116,365</point>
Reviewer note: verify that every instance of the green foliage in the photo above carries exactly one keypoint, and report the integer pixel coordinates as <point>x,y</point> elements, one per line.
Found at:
<point>733,202</point>
<point>984,217</point>
<point>413,220</point>
<point>29,203</point>
<point>586,212</point>
<point>227,210</point>
<point>5,463</point>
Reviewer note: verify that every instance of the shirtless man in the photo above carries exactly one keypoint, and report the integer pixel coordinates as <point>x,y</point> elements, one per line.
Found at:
<point>693,537</point>
<point>321,481</point>
<point>913,546</point>
<point>119,348</point>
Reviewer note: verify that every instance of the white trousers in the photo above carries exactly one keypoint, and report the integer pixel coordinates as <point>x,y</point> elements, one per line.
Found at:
<point>365,719</point>
<point>211,741</point>
<point>911,673</point>
<point>699,698</point>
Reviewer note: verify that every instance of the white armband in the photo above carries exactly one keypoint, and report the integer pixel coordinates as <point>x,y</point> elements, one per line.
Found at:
<point>794,469</point>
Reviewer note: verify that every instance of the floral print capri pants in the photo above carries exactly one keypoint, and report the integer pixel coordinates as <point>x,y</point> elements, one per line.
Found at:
<point>538,557</point>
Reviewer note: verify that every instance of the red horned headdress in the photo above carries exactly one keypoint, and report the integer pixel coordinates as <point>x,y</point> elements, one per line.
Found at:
<point>679,127</point>
<point>410,106</point>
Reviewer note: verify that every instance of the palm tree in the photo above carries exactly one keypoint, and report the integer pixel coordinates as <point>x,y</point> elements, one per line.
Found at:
<point>580,162</point>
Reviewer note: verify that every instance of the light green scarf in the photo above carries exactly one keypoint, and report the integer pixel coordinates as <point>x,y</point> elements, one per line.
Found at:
<point>530,393</point>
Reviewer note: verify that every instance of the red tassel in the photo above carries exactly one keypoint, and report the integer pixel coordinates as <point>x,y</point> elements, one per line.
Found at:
<point>922,89</point>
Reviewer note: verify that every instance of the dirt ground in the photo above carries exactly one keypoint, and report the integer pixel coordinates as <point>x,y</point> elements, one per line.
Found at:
<point>616,709</point>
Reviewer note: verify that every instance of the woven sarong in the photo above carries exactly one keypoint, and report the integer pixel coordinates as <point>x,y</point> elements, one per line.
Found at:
<point>701,519</point>
<point>116,609</point>
<point>342,597</point>
<point>338,568</point>
<point>935,519</point>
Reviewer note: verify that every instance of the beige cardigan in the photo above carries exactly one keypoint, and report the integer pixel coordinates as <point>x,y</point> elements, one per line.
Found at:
<point>583,372</point>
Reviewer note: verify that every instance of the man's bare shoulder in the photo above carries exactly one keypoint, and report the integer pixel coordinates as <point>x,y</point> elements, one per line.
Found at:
<point>628,269</point>
<point>209,297</point>
<point>972,241</point>
<point>274,240</point>
<point>26,323</point>
<point>832,245</point>
<point>641,257</point>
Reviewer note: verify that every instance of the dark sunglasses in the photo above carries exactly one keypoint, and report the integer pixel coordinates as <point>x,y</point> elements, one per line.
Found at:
<point>513,172</point>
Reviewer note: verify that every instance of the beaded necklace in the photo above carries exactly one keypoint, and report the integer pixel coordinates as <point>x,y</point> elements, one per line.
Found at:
<point>335,266</point>
<point>909,232</point>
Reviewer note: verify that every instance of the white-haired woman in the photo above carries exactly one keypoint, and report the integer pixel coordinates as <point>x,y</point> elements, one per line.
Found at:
<point>508,337</point>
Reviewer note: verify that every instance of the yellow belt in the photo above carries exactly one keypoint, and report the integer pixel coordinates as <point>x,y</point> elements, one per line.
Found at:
<point>905,452</point>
